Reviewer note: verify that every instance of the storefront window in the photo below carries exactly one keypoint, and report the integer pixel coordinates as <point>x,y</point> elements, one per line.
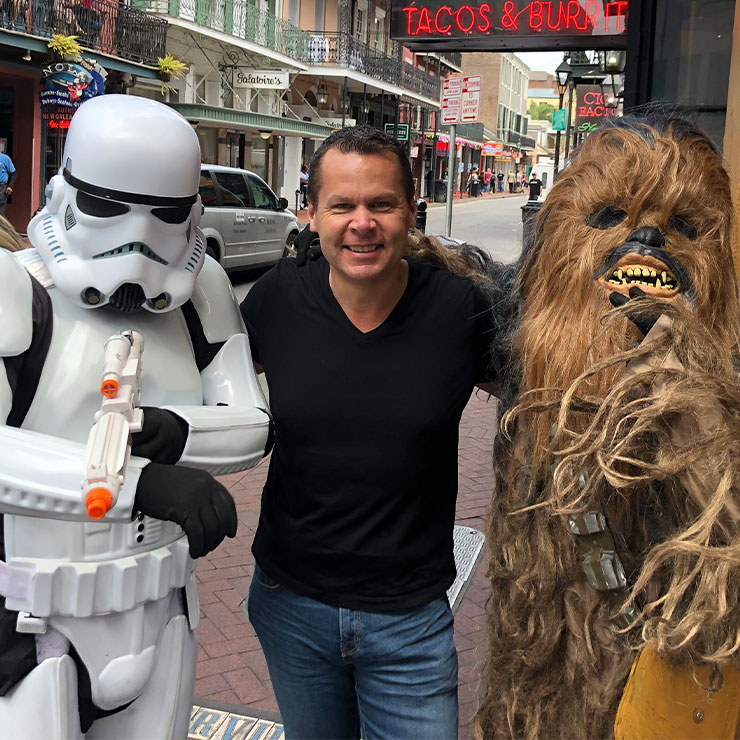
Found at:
<point>691,60</point>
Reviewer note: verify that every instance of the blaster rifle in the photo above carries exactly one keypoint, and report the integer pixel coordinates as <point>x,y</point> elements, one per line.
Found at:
<point>109,443</point>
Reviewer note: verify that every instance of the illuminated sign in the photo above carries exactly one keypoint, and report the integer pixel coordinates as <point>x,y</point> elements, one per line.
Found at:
<point>59,125</point>
<point>510,24</point>
<point>590,108</point>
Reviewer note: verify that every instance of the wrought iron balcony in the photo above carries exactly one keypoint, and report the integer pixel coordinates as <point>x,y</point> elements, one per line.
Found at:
<point>339,49</point>
<point>100,25</point>
<point>239,19</point>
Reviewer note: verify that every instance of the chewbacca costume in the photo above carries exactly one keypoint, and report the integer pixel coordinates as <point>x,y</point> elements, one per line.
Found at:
<point>613,529</point>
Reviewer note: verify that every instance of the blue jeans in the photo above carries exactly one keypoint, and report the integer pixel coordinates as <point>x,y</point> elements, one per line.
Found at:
<point>343,673</point>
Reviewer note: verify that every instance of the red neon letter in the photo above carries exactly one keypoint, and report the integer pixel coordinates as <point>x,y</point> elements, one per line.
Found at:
<point>573,9</point>
<point>472,18</point>
<point>617,8</point>
<point>483,10</point>
<point>409,12</point>
<point>590,98</point>
<point>509,18</point>
<point>536,18</point>
<point>425,22</point>
<point>561,16</point>
<point>437,27</point>
<point>592,12</point>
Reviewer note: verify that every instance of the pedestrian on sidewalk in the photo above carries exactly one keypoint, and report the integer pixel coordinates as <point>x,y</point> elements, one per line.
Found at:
<point>535,187</point>
<point>7,180</point>
<point>473,183</point>
<point>304,185</point>
<point>500,181</point>
<point>511,179</point>
<point>487,175</point>
<point>354,545</point>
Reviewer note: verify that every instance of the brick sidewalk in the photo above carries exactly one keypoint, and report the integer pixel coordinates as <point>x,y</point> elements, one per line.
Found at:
<point>231,667</point>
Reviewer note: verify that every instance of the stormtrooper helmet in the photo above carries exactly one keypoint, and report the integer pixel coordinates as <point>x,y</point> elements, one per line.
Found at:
<point>120,224</point>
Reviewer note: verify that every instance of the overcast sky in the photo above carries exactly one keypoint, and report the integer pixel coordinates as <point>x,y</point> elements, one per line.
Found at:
<point>541,61</point>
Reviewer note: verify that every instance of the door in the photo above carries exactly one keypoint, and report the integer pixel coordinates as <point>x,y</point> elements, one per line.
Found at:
<point>239,227</point>
<point>271,219</point>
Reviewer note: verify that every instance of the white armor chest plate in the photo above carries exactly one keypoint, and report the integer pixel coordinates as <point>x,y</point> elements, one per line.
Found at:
<point>68,394</point>
<point>122,557</point>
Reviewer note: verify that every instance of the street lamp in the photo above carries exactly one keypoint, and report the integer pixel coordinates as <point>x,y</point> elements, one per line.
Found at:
<point>609,92</point>
<point>322,94</point>
<point>265,134</point>
<point>563,73</point>
<point>612,62</point>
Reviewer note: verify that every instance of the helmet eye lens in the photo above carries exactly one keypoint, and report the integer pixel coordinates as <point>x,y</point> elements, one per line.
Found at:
<point>172,215</point>
<point>100,207</point>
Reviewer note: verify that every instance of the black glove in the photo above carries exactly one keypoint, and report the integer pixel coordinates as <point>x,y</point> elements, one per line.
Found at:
<point>162,437</point>
<point>191,498</point>
<point>307,246</point>
<point>643,322</point>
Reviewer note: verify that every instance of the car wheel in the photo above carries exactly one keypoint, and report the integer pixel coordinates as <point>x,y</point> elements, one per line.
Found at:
<point>289,249</point>
<point>212,250</point>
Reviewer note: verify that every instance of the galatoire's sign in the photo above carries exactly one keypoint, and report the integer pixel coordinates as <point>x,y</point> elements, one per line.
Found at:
<point>509,24</point>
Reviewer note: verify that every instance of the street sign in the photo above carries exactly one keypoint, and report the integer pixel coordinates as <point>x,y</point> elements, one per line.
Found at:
<point>559,118</point>
<point>460,100</point>
<point>402,130</point>
<point>470,104</point>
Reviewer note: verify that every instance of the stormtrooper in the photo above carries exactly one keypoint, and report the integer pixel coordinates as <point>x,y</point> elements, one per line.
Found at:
<point>97,616</point>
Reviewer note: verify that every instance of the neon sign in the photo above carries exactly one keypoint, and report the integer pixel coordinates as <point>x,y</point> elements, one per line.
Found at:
<point>590,108</point>
<point>512,24</point>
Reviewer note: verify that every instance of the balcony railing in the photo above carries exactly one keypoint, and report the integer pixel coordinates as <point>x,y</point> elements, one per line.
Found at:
<point>100,25</point>
<point>239,19</point>
<point>338,49</point>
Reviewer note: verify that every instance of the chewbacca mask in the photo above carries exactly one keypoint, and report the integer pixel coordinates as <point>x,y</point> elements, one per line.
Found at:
<point>614,524</point>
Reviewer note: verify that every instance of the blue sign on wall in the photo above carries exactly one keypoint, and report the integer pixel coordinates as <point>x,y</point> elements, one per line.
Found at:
<point>69,84</point>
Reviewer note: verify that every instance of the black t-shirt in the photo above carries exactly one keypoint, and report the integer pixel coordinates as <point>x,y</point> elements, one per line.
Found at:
<point>359,505</point>
<point>535,188</point>
<point>500,176</point>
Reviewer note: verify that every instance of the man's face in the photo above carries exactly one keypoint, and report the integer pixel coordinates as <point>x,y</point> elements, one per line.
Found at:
<point>362,215</point>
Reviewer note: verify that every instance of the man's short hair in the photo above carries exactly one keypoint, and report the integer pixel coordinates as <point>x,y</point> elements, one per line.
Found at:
<point>361,140</point>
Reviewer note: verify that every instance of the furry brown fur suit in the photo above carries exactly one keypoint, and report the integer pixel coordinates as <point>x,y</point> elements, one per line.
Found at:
<point>645,431</point>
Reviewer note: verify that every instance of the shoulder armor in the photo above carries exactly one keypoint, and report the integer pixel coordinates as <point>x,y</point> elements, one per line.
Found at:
<point>214,300</point>
<point>35,265</point>
<point>16,306</point>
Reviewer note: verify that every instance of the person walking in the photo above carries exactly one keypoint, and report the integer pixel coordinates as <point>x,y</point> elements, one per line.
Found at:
<point>500,181</point>
<point>511,179</point>
<point>354,545</point>
<point>473,183</point>
<point>487,175</point>
<point>518,181</point>
<point>535,187</point>
<point>7,180</point>
<point>303,177</point>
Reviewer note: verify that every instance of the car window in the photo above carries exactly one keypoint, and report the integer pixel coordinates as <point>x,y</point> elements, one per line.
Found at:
<point>207,190</point>
<point>263,196</point>
<point>234,190</point>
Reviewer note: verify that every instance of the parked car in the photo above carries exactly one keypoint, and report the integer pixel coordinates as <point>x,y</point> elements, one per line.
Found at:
<point>245,223</point>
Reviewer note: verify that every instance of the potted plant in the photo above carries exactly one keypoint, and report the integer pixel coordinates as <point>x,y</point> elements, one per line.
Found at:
<point>170,67</point>
<point>65,47</point>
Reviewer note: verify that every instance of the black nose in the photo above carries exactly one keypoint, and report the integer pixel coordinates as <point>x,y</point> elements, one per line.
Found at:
<point>647,235</point>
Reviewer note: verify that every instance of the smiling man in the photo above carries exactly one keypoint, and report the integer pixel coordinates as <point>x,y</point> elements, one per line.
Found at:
<point>354,546</point>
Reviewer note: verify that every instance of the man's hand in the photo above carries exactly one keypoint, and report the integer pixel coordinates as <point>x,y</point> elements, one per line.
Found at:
<point>191,498</point>
<point>9,191</point>
<point>643,322</point>
<point>162,437</point>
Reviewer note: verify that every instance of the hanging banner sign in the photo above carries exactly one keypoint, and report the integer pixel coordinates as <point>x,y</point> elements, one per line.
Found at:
<point>69,84</point>
<point>509,24</point>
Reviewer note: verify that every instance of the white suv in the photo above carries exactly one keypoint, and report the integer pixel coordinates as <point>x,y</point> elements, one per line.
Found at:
<point>245,223</point>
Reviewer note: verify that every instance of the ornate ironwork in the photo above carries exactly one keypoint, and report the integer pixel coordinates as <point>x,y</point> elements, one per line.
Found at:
<point>239,19</point>
<point>337,49</point>
<point>106,26</point>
